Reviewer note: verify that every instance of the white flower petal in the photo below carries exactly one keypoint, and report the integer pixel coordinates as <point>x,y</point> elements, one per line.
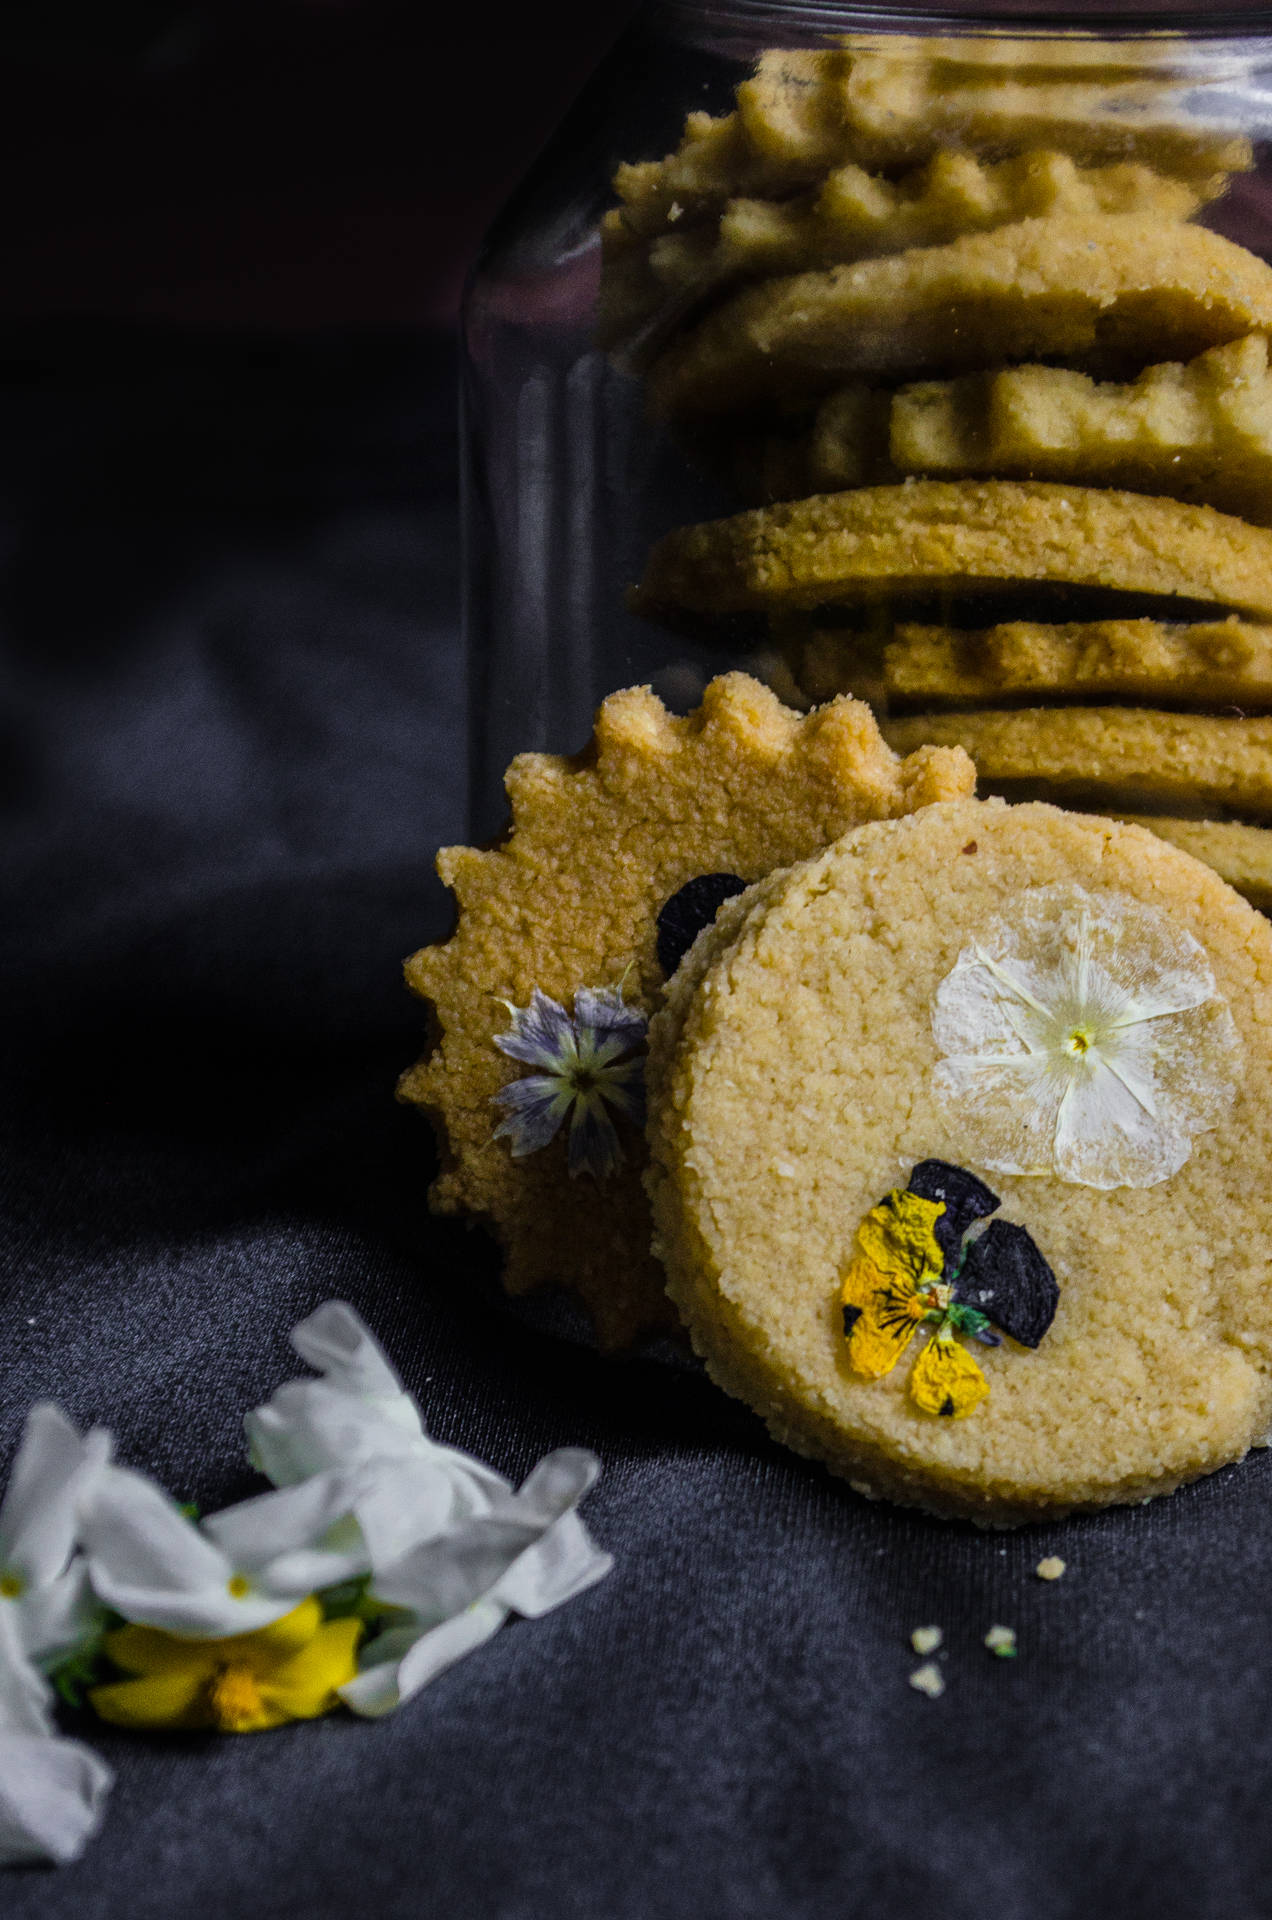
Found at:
<point>26,1698</point>
<point>336,1342</point>
<point>409,1661</point>
<point>403,1503</point>
<point>53,1620</point>
<point>1132,1051</point>
<point>52,1798</point>
<point>138,1542</point>
<point>54,1470</point>
<point>263,1536</point>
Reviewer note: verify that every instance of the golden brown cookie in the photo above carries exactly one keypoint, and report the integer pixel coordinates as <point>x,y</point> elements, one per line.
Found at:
<point>881,541</point>
<point>649,283</point>
<point>889,109</point>
<point>1105,293</point>
<point>1212,663</point>
<point>853,1021</point>
<point>1116,759</point>
<point>1197,432</point>
<point>1239,854</point>
<point>567,905</point>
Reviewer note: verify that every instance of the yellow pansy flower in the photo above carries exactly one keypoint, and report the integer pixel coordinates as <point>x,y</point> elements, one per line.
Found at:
<point>288,1670</point>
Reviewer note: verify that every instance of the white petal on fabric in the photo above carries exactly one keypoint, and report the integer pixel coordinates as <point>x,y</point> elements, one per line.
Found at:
<point>52,1798</point>
<point>338,1343</point>
<point>54,1620</point>
<point>400,1663</point>
<point>26,1698</point>
<point>53,1470</point>
<point>287,1541</point>
<point>408,1501</point>
<point>138,1540</point>
<point>1083,1036</point>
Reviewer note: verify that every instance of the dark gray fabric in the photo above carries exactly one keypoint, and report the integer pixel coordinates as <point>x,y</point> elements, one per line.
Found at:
<point>233,703</point>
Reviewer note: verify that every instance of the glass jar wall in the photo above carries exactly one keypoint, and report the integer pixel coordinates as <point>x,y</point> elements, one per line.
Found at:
<point>918,357</point>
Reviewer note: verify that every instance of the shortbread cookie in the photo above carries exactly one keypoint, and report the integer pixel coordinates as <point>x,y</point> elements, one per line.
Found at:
<point>1239,854</point>
<point>563,915</point>
<point>805,112</point>
<point>1197,432</point>
<point>651,282</point>
<point>1108,293</point>
<point>878,542</point>
<point>825,1128</point>
<point>1119,759</point>
<point>1212,663</point>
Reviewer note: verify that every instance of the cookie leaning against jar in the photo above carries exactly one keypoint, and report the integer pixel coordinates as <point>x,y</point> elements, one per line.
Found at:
<point>541,994</point>
<point>917,1108</point>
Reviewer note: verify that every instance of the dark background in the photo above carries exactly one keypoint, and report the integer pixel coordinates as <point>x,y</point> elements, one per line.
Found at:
<point>231,726</point>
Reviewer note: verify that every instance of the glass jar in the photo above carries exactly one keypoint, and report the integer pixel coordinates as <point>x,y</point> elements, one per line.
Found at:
<point>969,313</point>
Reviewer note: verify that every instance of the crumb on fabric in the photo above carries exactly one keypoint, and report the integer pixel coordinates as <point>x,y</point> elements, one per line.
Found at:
<point>1051,1568</point>
<point>1001,1641</point>
<point>928,1679</point>
<point>926,1639</point>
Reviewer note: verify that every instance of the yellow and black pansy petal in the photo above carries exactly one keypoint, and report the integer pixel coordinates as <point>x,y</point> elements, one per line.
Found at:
<point>880,1320</point>
<point>946,1380</point>
<point>964,1198</point>
<point>690,909</point>
<point>1006,1278</point>
<point>898,1237</point>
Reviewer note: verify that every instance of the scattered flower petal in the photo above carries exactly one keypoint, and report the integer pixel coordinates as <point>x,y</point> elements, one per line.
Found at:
<point>52,1791</point>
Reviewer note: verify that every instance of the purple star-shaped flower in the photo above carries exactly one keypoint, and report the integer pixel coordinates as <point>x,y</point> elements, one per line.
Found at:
<point>587,1063</point>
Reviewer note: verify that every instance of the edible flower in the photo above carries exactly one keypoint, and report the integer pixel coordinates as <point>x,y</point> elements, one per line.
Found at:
<point>917,1263</point>
<point>588,1062</point>
<point>232,1573</point>
<point>289,1670</point>
<point>1082,1035</point>
<point>52,1791</point>
<point>43,1586</point>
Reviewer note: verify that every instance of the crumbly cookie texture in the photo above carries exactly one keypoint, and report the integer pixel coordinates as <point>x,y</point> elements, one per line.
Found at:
<point>1106,293</point>
<point>804,113</point>
<point>1210,663</point>
<point>1239,854</point>
<point>880,541</point>
<point>569,901</point>
<point>790,1083</point>
<point>650,282</point>
<point>1128,759</point>
<point>1197,432</point>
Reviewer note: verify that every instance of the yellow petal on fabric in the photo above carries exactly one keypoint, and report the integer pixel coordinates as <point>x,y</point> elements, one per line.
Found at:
<point>946,1380</point>
<point>160,1700</point>
<point>882,1329</point>
<point>306,1685</point>
<point>897,1236</point>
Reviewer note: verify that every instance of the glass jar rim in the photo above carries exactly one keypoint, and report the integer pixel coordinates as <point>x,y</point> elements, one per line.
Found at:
<point>1094,19</point>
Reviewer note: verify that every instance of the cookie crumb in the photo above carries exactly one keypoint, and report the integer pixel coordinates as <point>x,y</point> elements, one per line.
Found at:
<point>971,847</point>
<point>926,1639</point>
<point>928,1679</point>
<point>1051,1568</point>
<point>1002,1642</point>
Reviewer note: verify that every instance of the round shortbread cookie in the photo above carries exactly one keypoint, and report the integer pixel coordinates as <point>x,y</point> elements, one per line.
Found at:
<point>879,542</point>
<point>1107,293</point>
<point>794,1085</point>
<point>567,904</point>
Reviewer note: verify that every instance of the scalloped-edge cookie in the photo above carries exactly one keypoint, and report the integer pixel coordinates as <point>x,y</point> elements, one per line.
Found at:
<point>1116,759</point>
<point>794,1087</point>
<point>877,542</point>
<point>1108,293</point>
<point>649,282</point>
<point>1209,663</point>
<point>803,113</point>
<point>567,904</point>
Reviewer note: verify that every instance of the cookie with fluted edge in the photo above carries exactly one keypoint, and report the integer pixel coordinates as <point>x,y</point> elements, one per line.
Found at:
<point>1105,294</point>
<point>792,1088</point>
<point>569,901</point>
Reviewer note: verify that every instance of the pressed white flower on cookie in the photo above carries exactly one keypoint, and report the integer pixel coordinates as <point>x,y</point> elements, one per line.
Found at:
<point>587,1063</point>
<point>1082,1036</point>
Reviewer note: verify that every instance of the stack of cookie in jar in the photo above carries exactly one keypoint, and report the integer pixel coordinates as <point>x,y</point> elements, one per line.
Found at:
<point>947,318</point>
